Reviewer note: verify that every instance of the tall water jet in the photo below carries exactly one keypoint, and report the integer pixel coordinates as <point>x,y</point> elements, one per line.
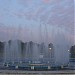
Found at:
<point>47,52</point>
<point>6,52</point>
<point>36,53</point>
<point>12,51</point>
<point>61,47</point>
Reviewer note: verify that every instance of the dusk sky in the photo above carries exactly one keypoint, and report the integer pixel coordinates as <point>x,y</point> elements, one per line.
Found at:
<point>21,19</point>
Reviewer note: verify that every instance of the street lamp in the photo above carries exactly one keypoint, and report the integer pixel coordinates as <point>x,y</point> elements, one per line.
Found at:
<point>68,56</point>
<point>68,50</point>
<point>50,48</point>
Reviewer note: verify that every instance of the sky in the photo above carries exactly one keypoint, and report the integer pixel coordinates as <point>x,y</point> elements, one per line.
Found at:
<point>38,20</point>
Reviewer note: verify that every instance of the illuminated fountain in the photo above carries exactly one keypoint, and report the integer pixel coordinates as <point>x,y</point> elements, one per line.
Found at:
<point>50,49</point>
<point>30,53</point>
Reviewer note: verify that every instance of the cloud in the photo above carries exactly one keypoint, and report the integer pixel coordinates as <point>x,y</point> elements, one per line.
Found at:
<point>58,13</point>
<point>46,1</point>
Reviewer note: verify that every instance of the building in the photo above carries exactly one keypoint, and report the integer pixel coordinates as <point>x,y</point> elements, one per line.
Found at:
<point>72,57</point>
<point>1,51</point>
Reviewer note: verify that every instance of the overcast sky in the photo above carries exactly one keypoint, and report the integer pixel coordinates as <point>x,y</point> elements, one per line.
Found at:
<point>21,19</point>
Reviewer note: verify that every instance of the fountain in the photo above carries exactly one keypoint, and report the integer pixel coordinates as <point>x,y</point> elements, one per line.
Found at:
<point>12,51</point>
<point>46,51</point>
<point>18,53</point>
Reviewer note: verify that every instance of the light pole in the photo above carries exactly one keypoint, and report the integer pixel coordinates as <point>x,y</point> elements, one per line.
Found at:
<point>68,57</point>
<point>50,49</point>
